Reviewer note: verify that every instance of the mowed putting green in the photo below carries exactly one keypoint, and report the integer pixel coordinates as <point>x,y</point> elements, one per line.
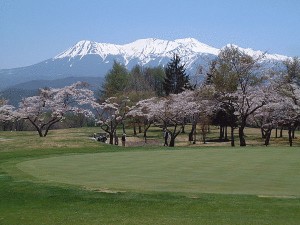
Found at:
<point>267,172</point>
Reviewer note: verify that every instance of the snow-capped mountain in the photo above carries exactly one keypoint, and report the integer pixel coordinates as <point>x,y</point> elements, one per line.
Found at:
<point>143,49</point>
<point>145,52</point>
<point>92,59</point>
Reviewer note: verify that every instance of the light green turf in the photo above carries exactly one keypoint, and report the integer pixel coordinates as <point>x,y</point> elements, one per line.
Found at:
<point>25,200</point>
<point>259,171</point>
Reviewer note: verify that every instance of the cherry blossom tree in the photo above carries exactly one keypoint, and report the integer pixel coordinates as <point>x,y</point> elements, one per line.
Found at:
<point>171,111</point>
<point>202,103</point>
<point>143,112</point>
<point>288,87</point>
<point>269,116</point>
<point>235,77</point>
<point>7,114</point>
<point>290,115</point>
<point>110,114</point>
<point>247,102</point>
<point>223,114</point>
<point>52,104</point>
<point>282,108</point>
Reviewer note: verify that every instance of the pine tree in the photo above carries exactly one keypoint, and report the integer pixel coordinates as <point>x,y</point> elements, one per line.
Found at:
<point>115,81</point>
<point>176,80</point>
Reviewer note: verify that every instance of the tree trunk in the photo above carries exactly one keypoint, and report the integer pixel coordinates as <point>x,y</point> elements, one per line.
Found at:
<point>48,128</point>
<point>111,138</point>
<point>166,137</point>
<point>140,128</point>
<point>221,133</point>
<point>191,134</point>
<point>204,138</point>
<point>268,136</point>
<point>49,125</point>
<point>40,132</point>
<point>232,137</point>
<point>263,133</point>
<point>276,133</point>
<point>183,129</point>
<point>172,141</point>
<point>195,137</point>
<point>145,136</point>
<point>226,138</point>
<point>242,136</point>
<point>123,127</point>
<point>293,132</point>
<point>280,135</point>
<point>146,127</point>
<point>290,137</point>
<point>173,134</point>
<point>116,138</point>
<point>134,129</point>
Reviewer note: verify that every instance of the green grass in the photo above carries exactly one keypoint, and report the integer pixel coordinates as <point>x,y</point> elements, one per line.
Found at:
<point>258,171</point>
<point>28,196</point>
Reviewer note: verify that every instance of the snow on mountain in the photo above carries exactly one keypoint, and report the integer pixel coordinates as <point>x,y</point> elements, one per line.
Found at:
<point>154,52</point>
<point>92,59</point>
<point>83,48</point>
<point>144,49</point>
<point>257,53</point>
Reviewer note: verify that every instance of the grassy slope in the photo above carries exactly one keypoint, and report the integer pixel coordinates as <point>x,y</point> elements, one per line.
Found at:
<point>23,201</point>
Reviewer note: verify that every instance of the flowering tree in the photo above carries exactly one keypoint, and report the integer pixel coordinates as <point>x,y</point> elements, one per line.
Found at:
<point>234,75</point>
<point>269,116</point>
<point>110,114</point>
<point>7,114</point>
<point>282,108</point>
<point>143,112</point>
<point>290,116</point>
<point>246,104</point>
<point>201,106</point>
<point>288,87</point>
<point>172,111</point>
<point>52,104</point>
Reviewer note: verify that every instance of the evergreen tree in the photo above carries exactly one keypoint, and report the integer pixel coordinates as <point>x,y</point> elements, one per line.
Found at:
<point>115,81</point>
<point>176,80</point>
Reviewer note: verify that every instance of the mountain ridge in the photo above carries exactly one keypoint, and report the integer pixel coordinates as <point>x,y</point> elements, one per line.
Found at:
<point>92,59</point>
<point>150,46</point>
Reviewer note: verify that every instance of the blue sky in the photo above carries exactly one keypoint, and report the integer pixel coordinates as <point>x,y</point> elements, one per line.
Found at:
<point>34,30</point>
